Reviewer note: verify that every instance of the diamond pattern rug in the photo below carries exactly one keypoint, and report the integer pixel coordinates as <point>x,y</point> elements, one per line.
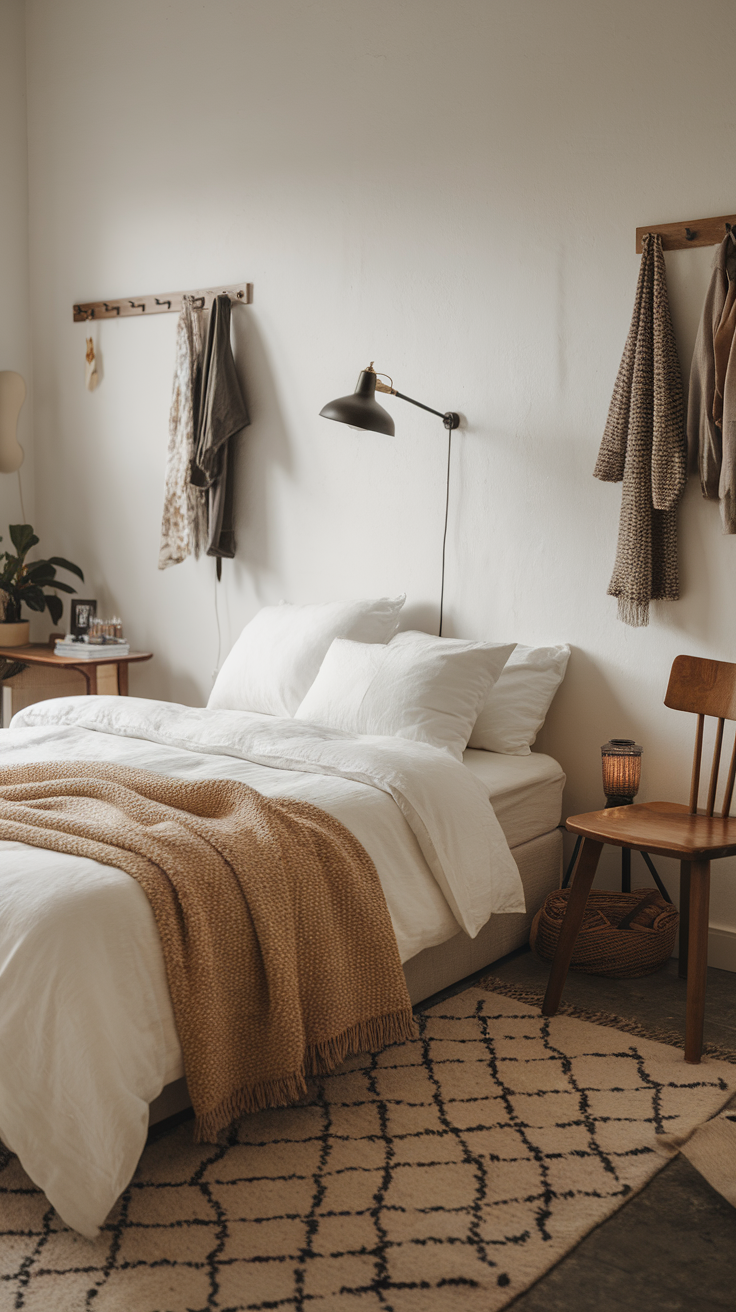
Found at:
<point>446,1174</point>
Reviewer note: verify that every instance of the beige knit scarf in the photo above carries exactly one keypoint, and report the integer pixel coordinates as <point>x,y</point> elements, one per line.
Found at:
<point>644,444</point>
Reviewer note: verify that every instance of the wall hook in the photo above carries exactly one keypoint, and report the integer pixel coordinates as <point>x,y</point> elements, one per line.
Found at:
<point>164,303</point>
<point>690,234</point>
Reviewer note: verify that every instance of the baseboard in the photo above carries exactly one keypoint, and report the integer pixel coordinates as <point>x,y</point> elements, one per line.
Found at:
<point>721,948</point>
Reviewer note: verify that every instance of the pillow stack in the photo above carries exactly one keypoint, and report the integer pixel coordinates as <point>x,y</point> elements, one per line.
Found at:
<point>342,665</point>
<point>419,687</point>
<point>277,656</point>
<point>517,705</point>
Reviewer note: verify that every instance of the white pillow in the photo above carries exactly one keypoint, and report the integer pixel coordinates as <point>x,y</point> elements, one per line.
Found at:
<point>277,656</point>
<point>419,687</point>
<point>517,704</point>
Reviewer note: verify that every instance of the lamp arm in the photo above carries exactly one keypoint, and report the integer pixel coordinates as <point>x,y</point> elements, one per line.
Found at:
<point>449,418</point>
<point>411,401</point>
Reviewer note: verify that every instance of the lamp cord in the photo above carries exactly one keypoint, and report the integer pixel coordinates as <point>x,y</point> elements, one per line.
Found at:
<point>444,536</point>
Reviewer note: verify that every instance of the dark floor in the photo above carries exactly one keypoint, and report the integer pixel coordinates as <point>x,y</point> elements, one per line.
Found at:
<point>673,1247</point>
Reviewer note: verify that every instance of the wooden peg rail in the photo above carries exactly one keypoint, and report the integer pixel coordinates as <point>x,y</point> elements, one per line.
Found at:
<point>122,307</point>
<point>691,232</point>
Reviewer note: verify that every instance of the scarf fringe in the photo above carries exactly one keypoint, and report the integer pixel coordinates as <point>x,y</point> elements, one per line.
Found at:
<point>319,1059</point>
<point>634,613</point>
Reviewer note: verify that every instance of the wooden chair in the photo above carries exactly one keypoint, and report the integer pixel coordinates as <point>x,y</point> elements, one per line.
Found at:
<point>669,829</point>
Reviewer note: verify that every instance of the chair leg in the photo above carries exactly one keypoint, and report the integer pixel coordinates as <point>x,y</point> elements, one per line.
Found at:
<point>684,918</point>
<point>625,869</point>
<point>697,959</point>
<point>573,919</point>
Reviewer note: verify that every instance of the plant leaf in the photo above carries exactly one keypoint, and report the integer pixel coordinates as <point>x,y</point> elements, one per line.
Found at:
<point>22,538</point>
<point>41,571</point>
<point>55,607</point>
<point>66,564</point>
<point>11,568</point>
<point>58,585</point>
<point>33,598</point>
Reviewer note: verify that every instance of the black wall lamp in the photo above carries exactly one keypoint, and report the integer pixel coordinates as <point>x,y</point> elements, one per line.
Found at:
<point>361,410</point>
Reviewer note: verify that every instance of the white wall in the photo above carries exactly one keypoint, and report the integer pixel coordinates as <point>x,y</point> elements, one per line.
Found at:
<point>450,189</point>
<point>15,340</point>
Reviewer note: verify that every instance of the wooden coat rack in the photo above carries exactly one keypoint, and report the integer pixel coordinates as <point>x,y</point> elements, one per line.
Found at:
<point>693,232</point>
<point>121,307</point>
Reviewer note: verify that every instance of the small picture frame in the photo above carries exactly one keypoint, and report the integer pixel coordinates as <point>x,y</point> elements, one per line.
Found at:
<point>82,612</point>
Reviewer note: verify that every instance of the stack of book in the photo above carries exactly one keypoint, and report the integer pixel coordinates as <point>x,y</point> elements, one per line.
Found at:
<point>81,649</point>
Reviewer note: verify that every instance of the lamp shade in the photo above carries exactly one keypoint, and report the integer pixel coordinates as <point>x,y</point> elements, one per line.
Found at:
<point>361,410</point>
<point>621,761</point>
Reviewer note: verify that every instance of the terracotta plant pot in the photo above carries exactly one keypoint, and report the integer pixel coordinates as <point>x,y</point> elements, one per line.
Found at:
<point>15,635</point>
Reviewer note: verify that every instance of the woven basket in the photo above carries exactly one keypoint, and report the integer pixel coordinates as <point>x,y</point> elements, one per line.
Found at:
<point>622,934</point>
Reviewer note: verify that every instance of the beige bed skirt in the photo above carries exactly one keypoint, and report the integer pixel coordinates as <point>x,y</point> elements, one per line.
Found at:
<point>540,867</point>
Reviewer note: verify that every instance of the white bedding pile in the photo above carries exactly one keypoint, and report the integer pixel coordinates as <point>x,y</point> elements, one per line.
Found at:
<point>87,1035</point>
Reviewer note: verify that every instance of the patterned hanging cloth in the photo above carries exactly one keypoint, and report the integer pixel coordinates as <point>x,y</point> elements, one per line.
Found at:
<point>184,519</point>
<point>644,445</point>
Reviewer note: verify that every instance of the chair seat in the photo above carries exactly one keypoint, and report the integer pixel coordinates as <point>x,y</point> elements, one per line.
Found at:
<point>664,828</point>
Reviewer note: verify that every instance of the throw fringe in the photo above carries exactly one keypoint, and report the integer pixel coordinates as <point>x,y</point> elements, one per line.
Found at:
<point>319,1059</point>
<point>366,1036</point>
<point>657,1033</point>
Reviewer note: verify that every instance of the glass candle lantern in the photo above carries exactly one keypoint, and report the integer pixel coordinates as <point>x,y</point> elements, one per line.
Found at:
<point>621,760</point>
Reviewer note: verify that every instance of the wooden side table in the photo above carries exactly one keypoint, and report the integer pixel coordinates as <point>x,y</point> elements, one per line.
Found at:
<point>38,654</point>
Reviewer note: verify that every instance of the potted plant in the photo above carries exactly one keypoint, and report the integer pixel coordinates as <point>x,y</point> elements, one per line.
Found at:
<point>22,584</point>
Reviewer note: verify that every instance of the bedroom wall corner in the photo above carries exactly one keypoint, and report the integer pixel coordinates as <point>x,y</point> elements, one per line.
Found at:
<point>15,319</point>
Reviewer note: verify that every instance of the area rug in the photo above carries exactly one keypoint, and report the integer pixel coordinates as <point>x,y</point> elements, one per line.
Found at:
<point>446,1174</point>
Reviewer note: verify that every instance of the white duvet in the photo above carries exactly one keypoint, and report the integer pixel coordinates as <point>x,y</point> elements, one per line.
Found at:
<point>87,1033</point>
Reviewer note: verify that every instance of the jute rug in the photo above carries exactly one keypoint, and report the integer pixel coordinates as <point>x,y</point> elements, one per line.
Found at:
<point>445,1174</point>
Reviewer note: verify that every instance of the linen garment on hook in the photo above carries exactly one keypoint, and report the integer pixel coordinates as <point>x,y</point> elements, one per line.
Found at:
<point>223,414</point>
<point>184,519</point>
<point>711,411</point>
<point>644,445</point>
<point>91,376</point>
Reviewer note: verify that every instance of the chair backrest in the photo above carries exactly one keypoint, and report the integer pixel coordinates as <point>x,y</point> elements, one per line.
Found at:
<point>706,688</point>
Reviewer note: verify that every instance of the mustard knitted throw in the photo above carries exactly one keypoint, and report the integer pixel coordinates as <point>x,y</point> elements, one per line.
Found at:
<point>280,954</point>
<point>644,444</point>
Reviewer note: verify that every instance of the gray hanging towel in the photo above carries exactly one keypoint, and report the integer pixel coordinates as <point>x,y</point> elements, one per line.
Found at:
<point>184,517</point>
<point>223,413</point>
<point>711,410</point>
<point>644,445</point>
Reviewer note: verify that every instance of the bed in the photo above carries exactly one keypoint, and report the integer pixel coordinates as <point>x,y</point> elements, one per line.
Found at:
<point>526,795</point>
<point>89,1052</point>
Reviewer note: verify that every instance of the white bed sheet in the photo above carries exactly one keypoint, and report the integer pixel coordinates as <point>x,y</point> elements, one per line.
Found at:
<point>525,791</point>
<point>87,1033</point>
